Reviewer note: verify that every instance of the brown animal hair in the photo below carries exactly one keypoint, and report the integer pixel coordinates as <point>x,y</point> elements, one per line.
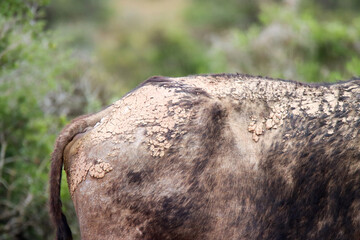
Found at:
<point>78,125</point>
<point>245,158</point>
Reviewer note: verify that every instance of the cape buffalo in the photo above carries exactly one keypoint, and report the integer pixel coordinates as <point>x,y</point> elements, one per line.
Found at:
<point>224,156</point>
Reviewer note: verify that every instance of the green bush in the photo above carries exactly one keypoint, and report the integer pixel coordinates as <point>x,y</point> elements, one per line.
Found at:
<point>161,51</point>
<point>214,15</point>
<point>69,11</point>
<point>32,68</point>
<point>301,41</point>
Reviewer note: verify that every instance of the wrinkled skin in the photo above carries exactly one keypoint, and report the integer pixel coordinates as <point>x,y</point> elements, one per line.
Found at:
<point>215,157</point>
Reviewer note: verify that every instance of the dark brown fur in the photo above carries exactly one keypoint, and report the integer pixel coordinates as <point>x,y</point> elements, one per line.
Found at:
<point>305,185</point>
<point>78,125</point>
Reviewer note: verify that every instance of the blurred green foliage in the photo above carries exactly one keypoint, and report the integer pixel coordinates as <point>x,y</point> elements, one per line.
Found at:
<point>299,40</point>
<point>34,68</point>
<point>93,11</point>
<point>62,58</point>
<point>213,15</point>
<point>164,52</point>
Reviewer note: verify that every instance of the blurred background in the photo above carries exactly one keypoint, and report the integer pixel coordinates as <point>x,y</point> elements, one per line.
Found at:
<point>63,58</point>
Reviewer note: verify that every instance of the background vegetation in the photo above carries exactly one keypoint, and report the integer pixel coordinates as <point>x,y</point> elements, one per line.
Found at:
<point>63,58</point>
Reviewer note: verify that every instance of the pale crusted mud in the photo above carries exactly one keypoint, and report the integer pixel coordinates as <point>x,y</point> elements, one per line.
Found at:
<point>284,98</point>
<point>156,109</point>
<point>160,111</point>
<point>78,170</point>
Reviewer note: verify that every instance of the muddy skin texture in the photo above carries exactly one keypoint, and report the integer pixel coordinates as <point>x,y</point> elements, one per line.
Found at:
<point>224,156</point>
